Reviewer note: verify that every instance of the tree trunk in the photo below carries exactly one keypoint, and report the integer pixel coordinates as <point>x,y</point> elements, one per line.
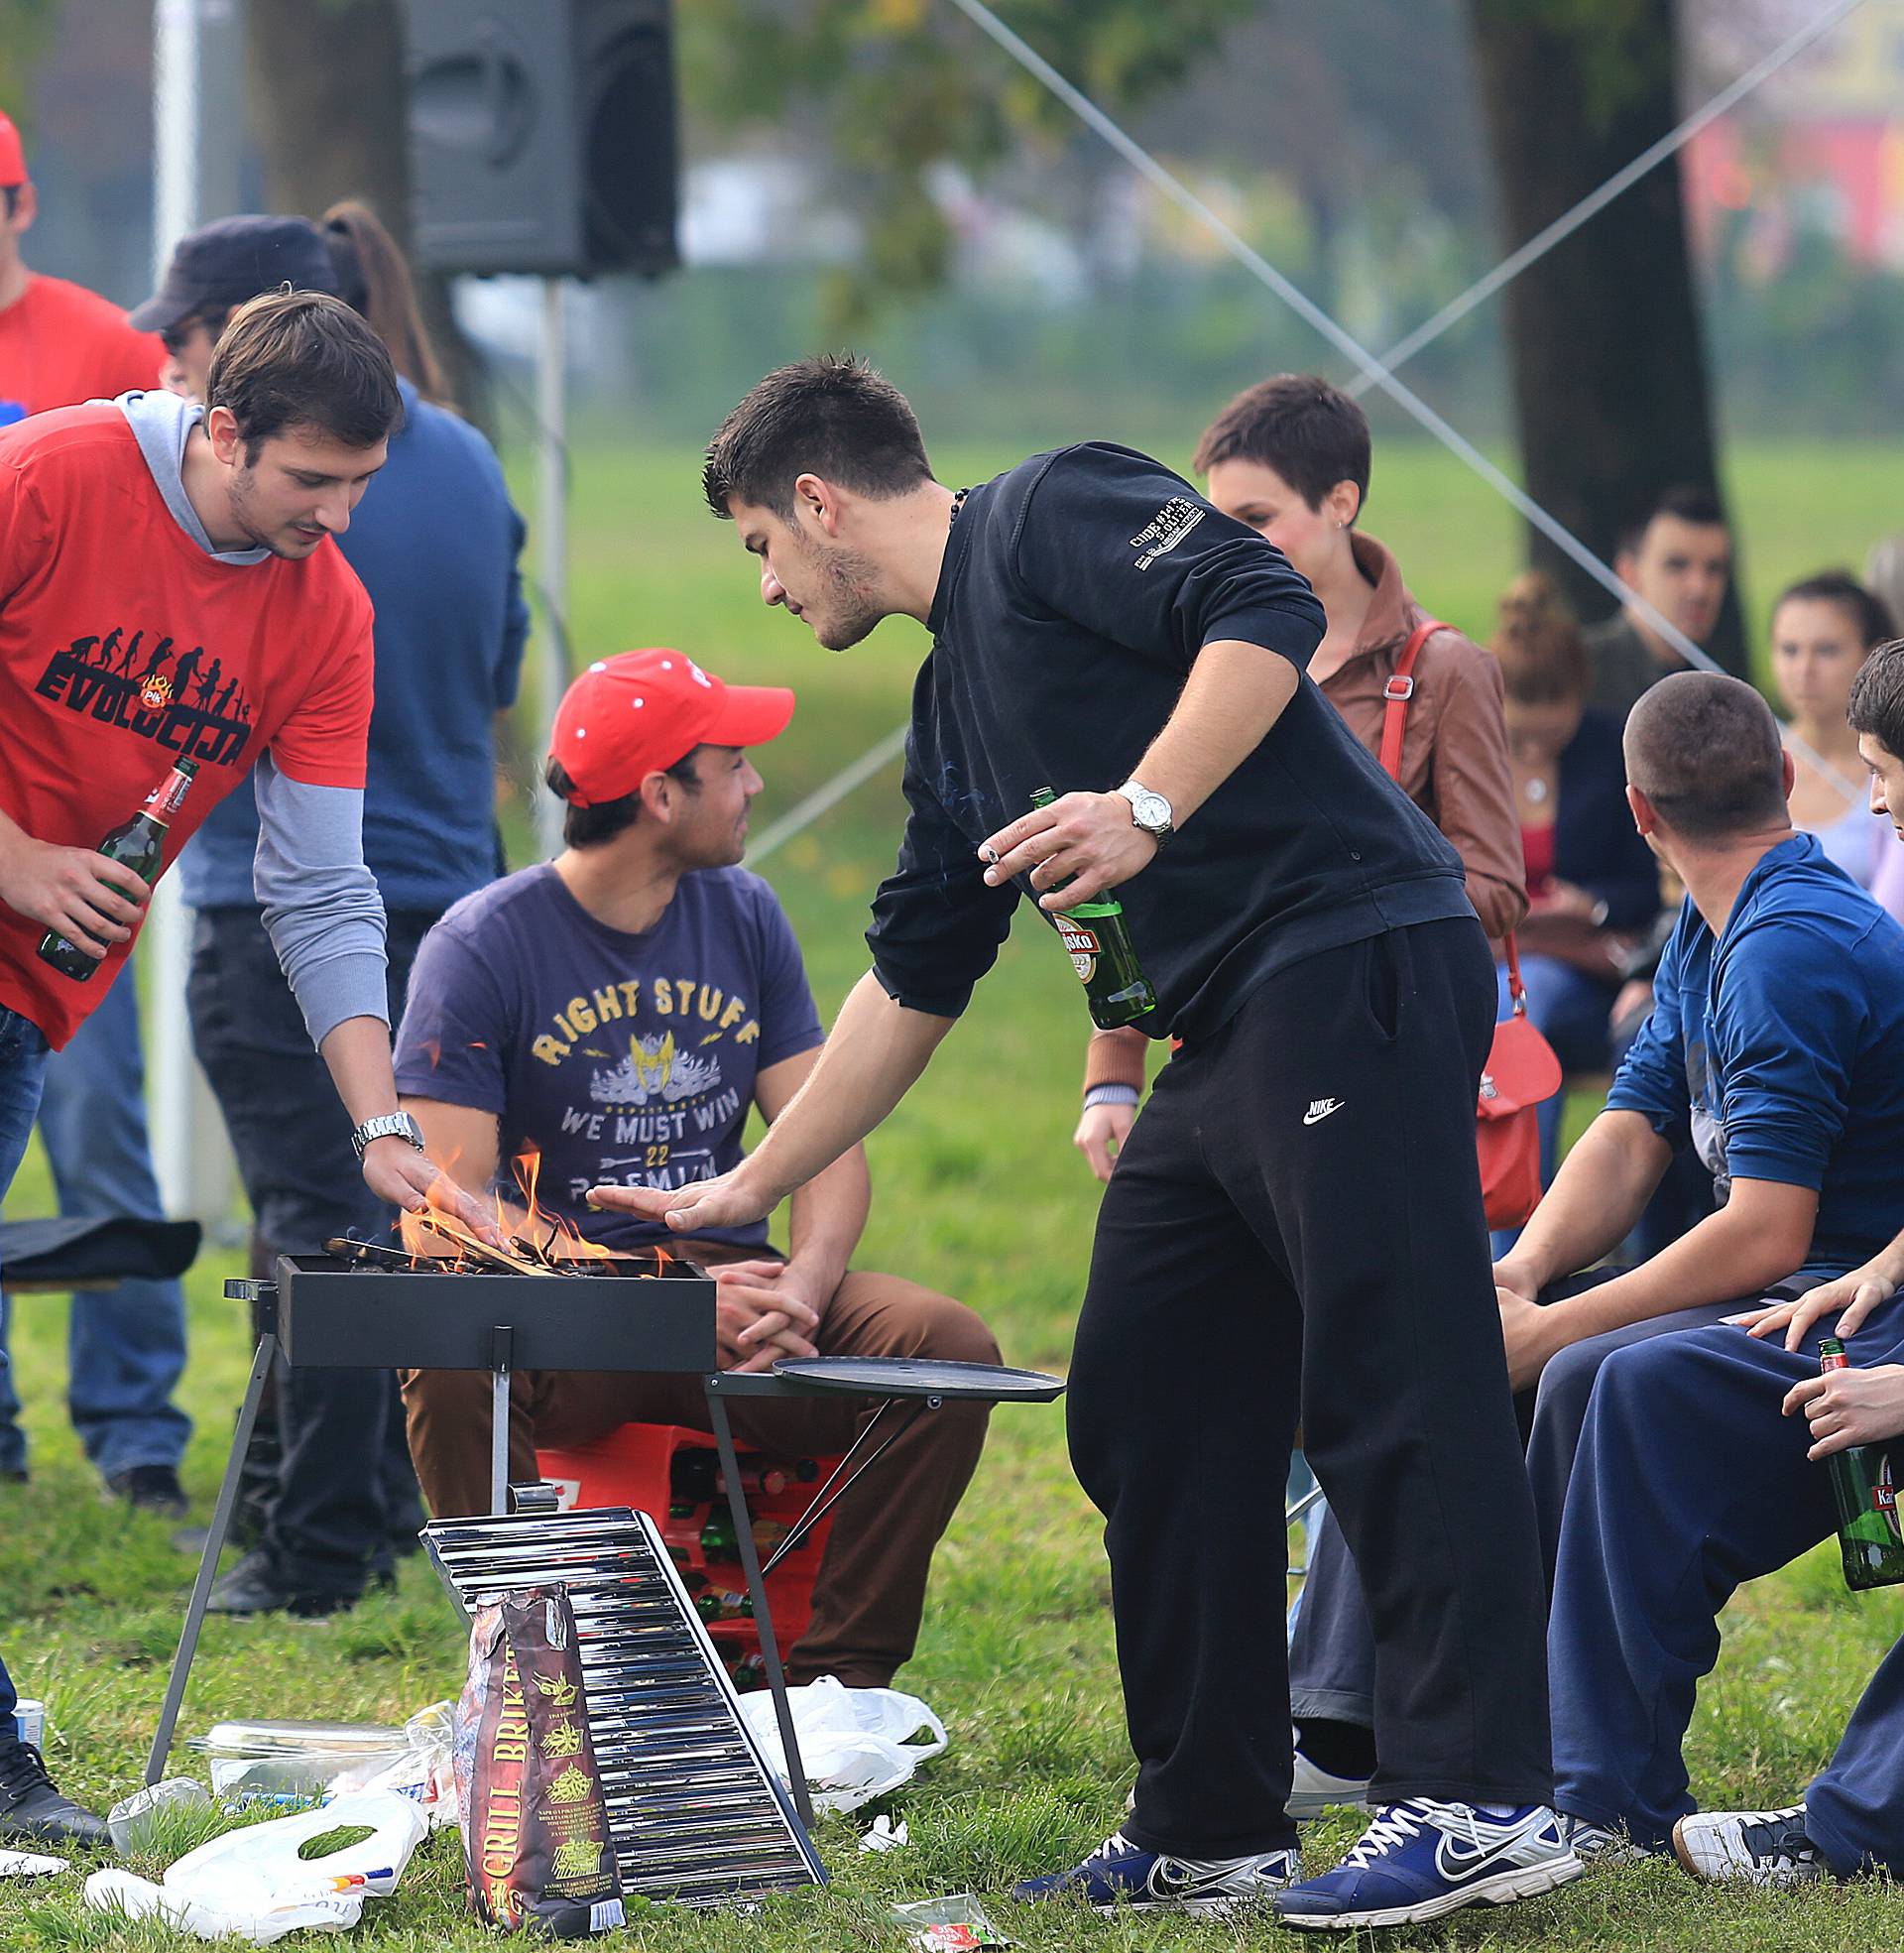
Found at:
<point>1608,362</point>
<point>326,83</point>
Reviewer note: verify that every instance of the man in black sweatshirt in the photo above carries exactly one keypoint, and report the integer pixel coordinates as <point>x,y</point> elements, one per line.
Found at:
<point>1295,1227</point>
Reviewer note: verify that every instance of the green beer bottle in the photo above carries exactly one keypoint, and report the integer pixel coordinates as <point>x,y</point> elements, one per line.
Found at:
<point>1868,1536</point>
<point>1116,989</point>
<point>139,844</point>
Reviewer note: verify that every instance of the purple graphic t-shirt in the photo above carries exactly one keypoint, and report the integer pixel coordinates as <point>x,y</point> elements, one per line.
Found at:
<point>625,1059</point>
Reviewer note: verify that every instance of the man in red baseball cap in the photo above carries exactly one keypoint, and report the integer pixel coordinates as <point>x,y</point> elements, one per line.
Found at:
<point>60,343</point>
<point>620,1011</point>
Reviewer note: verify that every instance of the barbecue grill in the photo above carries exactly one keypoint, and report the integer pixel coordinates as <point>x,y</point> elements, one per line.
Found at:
<point>471,1307</point>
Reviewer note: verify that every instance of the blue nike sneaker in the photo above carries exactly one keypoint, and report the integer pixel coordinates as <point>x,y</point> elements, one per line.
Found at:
<point>1421,1858</point>
<point>1120,1873</point>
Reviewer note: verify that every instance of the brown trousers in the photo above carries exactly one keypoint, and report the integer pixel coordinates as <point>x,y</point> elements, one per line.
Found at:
<point>871,1589</point>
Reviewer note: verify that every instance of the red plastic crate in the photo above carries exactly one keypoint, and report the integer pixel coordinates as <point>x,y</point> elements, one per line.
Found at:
<point>633,1466</point>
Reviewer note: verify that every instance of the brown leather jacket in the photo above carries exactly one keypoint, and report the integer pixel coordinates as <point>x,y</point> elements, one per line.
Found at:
<point>1454,763</point>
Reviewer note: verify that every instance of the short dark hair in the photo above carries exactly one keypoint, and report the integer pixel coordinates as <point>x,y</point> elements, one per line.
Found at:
<point>1543,655</point>
<point>1877,696</point>
<point>589,827</point>
<point>832,417</point>
<point>1312,433</point>
<point>1705,749</point>
<point>291,359</point>
<point>1686,502</point>
<point>1866,610</point>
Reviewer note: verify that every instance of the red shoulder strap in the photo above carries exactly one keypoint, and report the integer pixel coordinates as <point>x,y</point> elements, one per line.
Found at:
<point>1515,988</point>
<point>1397,692</point>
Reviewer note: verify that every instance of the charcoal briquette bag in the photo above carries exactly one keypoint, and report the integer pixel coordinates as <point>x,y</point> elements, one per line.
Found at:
<point>534,1824</point>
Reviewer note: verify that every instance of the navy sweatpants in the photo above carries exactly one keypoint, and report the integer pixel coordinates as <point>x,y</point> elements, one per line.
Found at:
<point>1687,1484</point>
<point>1855,1809</point>
<point>1332,1656</point>
<point>1296,1228</point>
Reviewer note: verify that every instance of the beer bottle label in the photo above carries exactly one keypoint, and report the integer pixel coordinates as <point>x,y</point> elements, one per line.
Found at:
<point>1884,1498</point>
<point>1082,946</point>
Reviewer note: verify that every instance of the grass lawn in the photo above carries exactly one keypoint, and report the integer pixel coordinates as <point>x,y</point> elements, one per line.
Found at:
<point>976,1191</point>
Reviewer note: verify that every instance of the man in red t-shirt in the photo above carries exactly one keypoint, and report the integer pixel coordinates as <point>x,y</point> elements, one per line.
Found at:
<point>167,592</point>
<point>58,342</point>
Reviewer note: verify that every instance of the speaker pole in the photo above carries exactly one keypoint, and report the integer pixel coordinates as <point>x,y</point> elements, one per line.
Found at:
<point>552,419</point>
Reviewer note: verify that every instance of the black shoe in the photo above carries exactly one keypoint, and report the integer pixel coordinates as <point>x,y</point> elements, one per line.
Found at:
<point>31,1807</point>
<point>256,1585</point>
<point>15,1475</point>
<point>151,1489</point>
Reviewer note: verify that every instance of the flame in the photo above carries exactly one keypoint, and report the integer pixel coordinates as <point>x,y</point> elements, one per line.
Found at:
<point>539,1239</point>
<point>554,1234</point>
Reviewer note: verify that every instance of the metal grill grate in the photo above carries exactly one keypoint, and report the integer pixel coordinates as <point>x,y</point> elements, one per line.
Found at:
<point>696,1812</point>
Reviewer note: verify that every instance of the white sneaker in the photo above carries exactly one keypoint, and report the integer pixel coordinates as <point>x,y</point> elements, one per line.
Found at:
<point>1312,1791</point>
<point>1750,1847</point>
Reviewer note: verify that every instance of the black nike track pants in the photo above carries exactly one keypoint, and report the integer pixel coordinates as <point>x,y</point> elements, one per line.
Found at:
<point>1296,1228</point>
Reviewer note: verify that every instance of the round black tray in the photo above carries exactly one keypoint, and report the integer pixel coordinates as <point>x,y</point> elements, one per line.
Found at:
<point>914,1376</point>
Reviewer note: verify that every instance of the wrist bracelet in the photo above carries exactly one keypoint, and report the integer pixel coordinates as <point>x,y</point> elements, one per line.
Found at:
<point>1110,1095</point>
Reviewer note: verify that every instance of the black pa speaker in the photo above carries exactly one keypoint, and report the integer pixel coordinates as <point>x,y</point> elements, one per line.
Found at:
<point>541,135</point>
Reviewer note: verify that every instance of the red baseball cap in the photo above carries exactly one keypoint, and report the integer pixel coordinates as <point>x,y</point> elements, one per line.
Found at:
<point>640,711</point>
<point>13,158</point>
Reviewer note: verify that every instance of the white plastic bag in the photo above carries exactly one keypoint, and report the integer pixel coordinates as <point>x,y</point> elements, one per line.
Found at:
<point>115,1891</point>
<point>854,1742</point>
<point>252,1883</point>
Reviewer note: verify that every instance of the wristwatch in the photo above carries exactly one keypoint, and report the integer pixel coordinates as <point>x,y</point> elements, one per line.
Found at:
<point>388,1126</point>
<point>1148,812</point>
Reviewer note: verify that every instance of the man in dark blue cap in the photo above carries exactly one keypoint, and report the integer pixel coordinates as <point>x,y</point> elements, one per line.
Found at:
<point>215,269</point>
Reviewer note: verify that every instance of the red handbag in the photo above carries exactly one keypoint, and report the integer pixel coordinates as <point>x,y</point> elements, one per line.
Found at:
<point>1521,1069</point>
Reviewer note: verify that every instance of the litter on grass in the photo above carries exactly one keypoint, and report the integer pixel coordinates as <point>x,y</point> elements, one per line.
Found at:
<point>263,1880</point>
<point>27,1865</point>
<point>856,1743</point>
<point>948,1925</point>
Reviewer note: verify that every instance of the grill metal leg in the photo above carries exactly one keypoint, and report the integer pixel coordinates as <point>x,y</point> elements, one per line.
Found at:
<point>261,1364</point>
<point>500,1361</point>
<point>763,1615</point>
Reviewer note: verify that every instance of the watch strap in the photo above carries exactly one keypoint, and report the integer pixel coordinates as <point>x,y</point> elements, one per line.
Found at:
<point>386,1126</point>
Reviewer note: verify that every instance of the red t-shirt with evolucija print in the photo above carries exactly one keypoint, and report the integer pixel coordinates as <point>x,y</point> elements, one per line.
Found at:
<point>61,344</point>
<point>124,647</point>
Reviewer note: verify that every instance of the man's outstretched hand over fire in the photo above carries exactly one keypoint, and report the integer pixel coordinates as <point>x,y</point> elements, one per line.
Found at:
<point>725,1201</point>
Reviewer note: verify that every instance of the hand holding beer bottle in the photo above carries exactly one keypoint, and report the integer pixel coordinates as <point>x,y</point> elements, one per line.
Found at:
<point>1098,940</point>
<point>137,844</point>
<point>1869,1536</point>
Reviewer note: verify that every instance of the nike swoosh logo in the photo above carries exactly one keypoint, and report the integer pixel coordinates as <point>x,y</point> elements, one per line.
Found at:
<point>1321,1110</point>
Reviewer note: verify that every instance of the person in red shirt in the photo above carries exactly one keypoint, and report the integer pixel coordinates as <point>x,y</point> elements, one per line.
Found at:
<point>58,342</point>
<point>167,592</point>
<point>61,344</point>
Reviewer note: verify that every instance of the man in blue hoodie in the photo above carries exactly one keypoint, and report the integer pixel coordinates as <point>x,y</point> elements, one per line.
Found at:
<point>1776,1050</point>
<point>1779,1039</point>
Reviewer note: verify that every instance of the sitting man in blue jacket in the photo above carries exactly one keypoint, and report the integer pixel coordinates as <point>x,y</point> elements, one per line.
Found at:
<point>1776,1050</point>
<point>1687,1480</point>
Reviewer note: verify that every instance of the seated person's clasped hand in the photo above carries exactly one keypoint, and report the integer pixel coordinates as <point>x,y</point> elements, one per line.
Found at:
<point>1532,1334</point>
<point>764,1310</point>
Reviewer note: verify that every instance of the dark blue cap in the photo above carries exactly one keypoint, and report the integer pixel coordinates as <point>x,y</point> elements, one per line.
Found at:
<point>219,267</point>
